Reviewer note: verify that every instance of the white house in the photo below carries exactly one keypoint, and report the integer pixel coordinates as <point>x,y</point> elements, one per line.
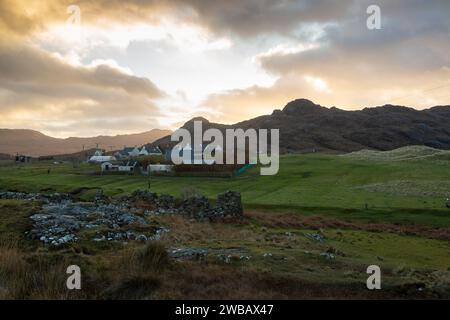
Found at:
<point>132,152</point>
<point>190,156</point>
<point>120,166</point>
<point>110,166</point>
<point>129,166</point>
<point>100,159</point>
<point>98,152</point>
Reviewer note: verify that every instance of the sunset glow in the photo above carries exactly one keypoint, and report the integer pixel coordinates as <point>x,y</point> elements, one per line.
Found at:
<point>156,65</point>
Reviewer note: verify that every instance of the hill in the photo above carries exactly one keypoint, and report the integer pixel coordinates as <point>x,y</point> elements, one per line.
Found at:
<point>307,127</point>
<point>411,153</point>
<point>34,143</point>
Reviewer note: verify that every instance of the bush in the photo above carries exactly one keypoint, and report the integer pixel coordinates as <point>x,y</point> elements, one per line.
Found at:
<point>153,256</point>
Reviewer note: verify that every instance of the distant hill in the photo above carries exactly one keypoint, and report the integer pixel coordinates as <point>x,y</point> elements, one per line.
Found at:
<point>5,156</point>
<point>307,127</point>
<point>34,143</point>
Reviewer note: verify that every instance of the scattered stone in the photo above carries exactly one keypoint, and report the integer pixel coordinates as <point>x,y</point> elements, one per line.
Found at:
<point>46,198</point>
<point>224,258</point>
<point>315,236</point>
<point>188,253</point>
<point>100,197</point>
<point>98,239</point>
<point>61,217</point>
<point>141,238</point>
<point>335,252</point>
<point>328,256</point>
<point>57,222</point>
<point>158,235</point>
<point>289,234</point>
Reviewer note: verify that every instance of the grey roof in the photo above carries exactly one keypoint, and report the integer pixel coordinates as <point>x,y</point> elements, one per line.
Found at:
<point>152,149</point>
<point>132,163</point>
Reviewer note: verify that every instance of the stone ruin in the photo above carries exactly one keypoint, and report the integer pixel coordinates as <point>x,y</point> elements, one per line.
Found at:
<point>229,204</point>
<point>62,217</point>
<point>198,207</point>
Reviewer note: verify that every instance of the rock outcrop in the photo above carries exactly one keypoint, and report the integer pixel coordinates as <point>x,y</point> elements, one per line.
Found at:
<point>61,217</point>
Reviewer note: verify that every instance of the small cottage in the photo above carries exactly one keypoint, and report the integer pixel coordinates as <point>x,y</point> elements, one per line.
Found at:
<point>120,166</point>
<point>101,159</point>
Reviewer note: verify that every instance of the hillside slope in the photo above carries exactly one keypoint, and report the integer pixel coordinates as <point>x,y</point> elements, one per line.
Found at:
<point>34,143</point>
<point>307,127</point>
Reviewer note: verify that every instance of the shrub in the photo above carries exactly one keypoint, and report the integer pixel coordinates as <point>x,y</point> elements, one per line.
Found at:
<point>153,256</point>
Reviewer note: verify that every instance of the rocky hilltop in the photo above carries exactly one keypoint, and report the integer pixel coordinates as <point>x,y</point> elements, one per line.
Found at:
<point>309,127</point>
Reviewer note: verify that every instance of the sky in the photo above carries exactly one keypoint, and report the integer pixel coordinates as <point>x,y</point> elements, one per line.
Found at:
<point>106,67</point>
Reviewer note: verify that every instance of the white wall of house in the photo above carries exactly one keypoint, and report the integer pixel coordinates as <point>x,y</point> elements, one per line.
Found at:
<point>100,159</point>
<point>108,166</point>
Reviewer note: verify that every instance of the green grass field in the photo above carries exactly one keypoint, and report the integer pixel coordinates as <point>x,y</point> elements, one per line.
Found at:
<point>371,207</point>
<point>327,184</point>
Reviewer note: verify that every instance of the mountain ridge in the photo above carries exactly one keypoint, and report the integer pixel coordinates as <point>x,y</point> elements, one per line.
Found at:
<point>35,143</point>
<point>309,127</point>
<point>304,127</point>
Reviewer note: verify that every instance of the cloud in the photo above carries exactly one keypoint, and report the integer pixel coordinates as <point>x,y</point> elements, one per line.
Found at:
<point>316,49</point>
<point>244,18</point>
<point>38,88</point>
<point>350,66</point>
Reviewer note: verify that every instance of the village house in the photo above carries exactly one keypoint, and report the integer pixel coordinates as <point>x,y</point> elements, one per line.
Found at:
<point>129,166</point>
<point>99,157</point>
<point>149,150</point>
<point>189,156</point>
<point>127,152</point>
<point>23,158</point>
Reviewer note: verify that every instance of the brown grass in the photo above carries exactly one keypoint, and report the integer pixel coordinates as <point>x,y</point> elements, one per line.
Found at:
<point>292,220</point>
<point>194,281</point>
<point>130,274</point>
<point>25,276</point>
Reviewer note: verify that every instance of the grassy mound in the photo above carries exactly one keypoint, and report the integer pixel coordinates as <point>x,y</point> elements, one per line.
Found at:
<point>401,154</point>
